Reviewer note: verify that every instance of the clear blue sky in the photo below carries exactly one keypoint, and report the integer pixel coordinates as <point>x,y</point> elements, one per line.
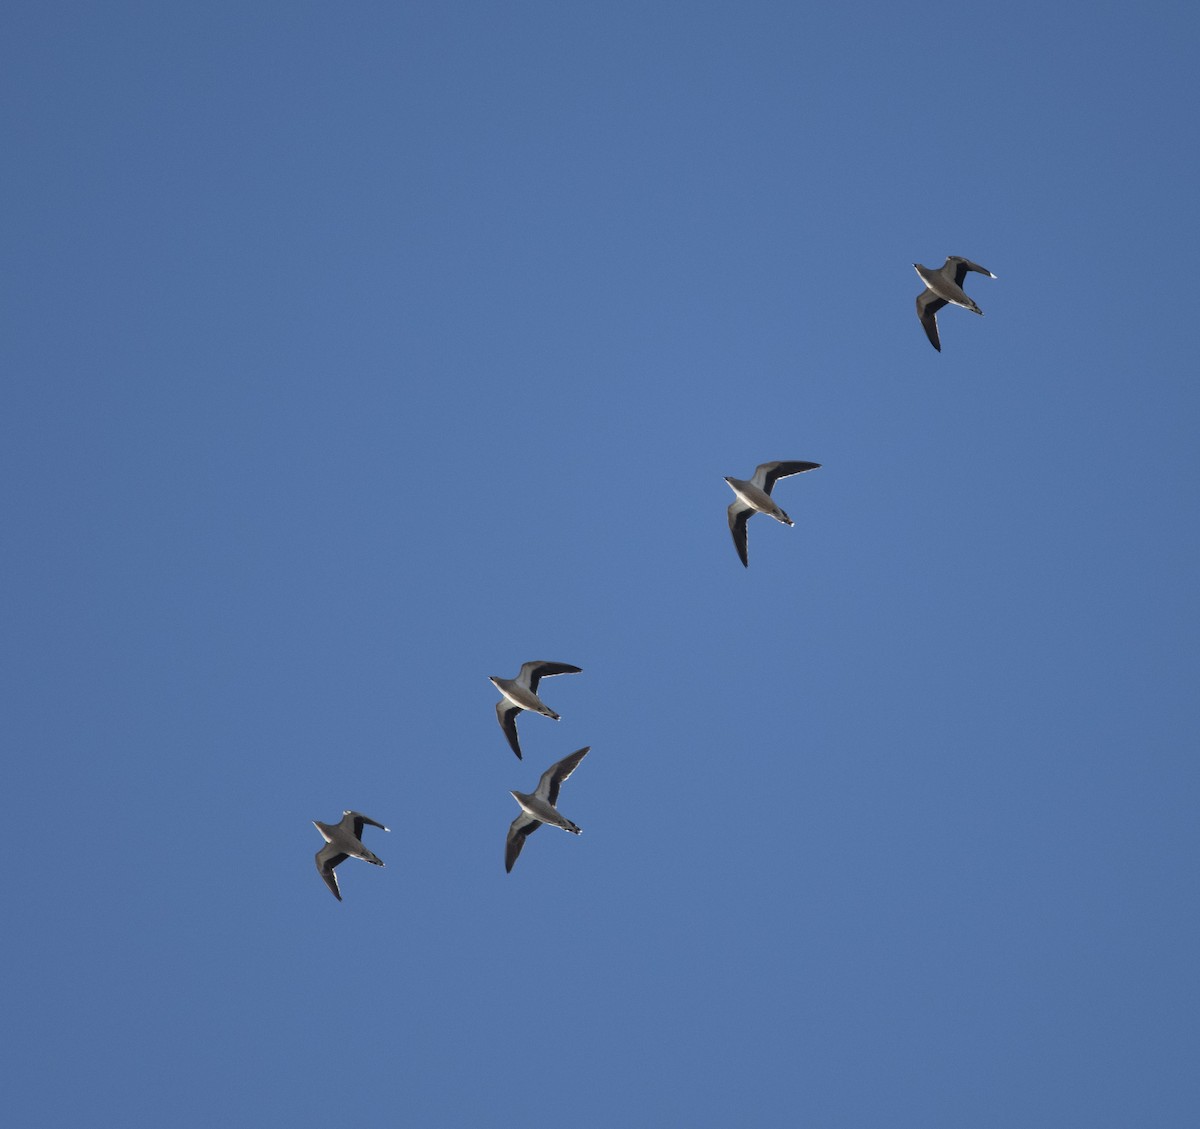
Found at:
<point>355,353</point>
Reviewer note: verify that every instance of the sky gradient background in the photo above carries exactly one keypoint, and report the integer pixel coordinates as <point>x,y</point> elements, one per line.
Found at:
<point>355,353</point>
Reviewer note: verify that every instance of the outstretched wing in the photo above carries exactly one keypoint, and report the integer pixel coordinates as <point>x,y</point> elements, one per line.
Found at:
<point>928,304</point>
<point>552,779</point>
<point>506,714</point>
<point>739,514</point>
<point>357,820</point>
<point>766,474</point>
<point>519,830</point>
<point>962,266</point>
<point>533,672</point>
<point>327,858</point>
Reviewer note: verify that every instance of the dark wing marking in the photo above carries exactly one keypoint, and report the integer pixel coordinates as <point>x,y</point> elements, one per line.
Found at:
<point>359,820</point>
<point>534,672</point>
<point>552,779</point>
<point>928,304</point>
<point>739,514</point>
<point>325,869</point>
<point>773,471</point>
<point>506,714</point>
<point>962,266</point>
<point>519,830</point>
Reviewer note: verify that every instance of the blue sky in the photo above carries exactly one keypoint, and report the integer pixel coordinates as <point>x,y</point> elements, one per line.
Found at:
<point>355,354</point>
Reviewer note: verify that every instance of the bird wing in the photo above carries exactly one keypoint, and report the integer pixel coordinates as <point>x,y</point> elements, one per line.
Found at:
<point>358,819</point>
<point>327,858</point>
<point>552,779</point>
<point>766,475</point>
<point>533,672</point>
<point>739,514</point>
<point>506,714</point>
<point>518,831</point>
<point>962,266</point>
<point>928,304</point>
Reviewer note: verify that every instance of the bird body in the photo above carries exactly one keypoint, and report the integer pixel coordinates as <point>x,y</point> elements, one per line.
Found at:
<point>758,499</point>
<point>523,697</point>
<point>543,811</point>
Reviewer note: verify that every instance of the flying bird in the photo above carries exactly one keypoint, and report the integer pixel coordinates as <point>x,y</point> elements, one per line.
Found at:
<point>539,808</point>
<point>520,693</point>
<point>754,497</point>
<point>944,287</point>
<point>343,841</point>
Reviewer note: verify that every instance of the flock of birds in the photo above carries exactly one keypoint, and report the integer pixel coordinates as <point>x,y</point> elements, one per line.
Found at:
<point>343,840</point>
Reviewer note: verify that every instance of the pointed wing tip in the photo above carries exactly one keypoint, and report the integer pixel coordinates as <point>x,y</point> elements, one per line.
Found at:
<point>518,832</point>
<point>739,515</point>
<point>507,716</point>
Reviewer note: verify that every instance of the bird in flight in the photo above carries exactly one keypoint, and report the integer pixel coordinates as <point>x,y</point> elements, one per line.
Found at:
<point>754,497</point>
<point>539,807</point>
<point>343,841</point>
<point>520,693</point>
<point>944,287</point>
